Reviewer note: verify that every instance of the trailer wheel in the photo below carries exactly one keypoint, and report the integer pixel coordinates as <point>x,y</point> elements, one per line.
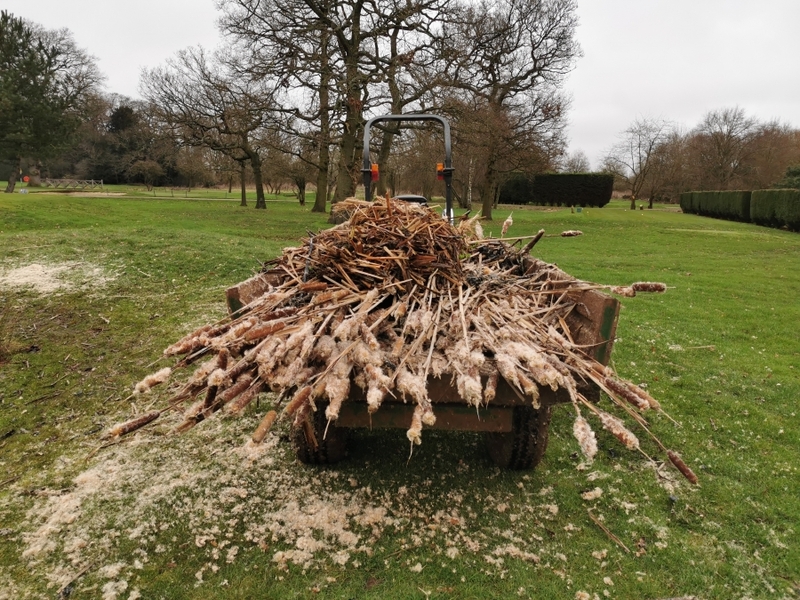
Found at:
<point>311,444</point>
<point>522,447</point>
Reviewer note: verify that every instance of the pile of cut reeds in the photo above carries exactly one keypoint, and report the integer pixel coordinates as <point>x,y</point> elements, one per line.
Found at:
<point>384,301</point>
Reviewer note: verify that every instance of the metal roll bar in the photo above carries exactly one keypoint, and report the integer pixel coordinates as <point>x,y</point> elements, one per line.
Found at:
<point>448,160</point>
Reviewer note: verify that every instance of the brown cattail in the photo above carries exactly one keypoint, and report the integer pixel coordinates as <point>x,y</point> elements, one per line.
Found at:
<point>200,376</point>
<point>618,429</point>
<point>280,313</point>
<point>239,404</point>
<point>530,389</point>
<point>628,292</point>
<point>312,286</point>
<point>682,467</point>
<point>222,359</point>
<point>263,428</point>
<point>237,388</point>
<point>428,418</point>
<point>506,225</point>
<point>261,331</point>
<point>211,396</point>
<point>329,297</point>
<point>649,286</point>
<point>187,343</point>
<point>414,433</point>
<point>234,372</point>
<point>300,397</point>
<point>133,424</point>
<point>585,436</point>
<point>621,390</point>
<point>654,404</point>
<point>377,387</point>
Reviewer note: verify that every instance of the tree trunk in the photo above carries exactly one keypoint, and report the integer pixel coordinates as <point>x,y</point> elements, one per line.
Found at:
<point>230,183</point>
<point>255,166</point>
<point>244,185</point>
<point>345,184</point>
<point>490,188</point>
<point>301,190</point>
<point>470,177</point>
<point>392,129</point>
<point>320,202</point>
<point>633,202</point>
<point>324,150</point>
<point>12,177</point>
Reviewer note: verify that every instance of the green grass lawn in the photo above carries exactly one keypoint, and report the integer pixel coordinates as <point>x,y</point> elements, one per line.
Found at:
<point>204,515</point>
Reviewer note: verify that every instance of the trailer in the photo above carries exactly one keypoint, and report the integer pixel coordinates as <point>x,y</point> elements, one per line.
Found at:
<point>516,432</point>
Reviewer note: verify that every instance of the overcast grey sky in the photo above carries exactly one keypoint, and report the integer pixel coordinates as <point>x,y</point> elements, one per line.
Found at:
<point>673,59</point>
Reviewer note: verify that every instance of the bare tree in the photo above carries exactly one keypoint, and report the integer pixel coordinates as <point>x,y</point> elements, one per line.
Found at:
<point>723,144</point>
<point>508,61</point>
<point>346,56</point>
<point>576,162</point>
<point>285,40</point>
<point>776,146</point>
<point>207,106</point>
<point>670,173</point>
<point>633,157</point>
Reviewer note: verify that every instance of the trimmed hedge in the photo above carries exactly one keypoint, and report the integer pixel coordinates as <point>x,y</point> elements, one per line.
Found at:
<point>723,205</point>
<point>518,189</point>
<point>776,208</point>
<point>558,189</point>
<point>686,202</point>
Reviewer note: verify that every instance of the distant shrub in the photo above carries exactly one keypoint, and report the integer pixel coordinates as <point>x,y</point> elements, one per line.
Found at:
<point>776,208</point>
<point>791,180</point>
<point>558,189</point>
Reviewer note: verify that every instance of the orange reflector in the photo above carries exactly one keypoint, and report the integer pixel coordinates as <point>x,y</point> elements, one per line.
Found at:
<point>375,174</point>
<point>439,171</point>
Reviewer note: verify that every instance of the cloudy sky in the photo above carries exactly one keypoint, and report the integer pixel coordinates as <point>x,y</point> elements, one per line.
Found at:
<point>672,59</point>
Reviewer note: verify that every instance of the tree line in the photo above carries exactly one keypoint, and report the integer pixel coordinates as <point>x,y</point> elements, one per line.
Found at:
<point>289,93</point>
<point>657,160</point>
<point>284,101</point>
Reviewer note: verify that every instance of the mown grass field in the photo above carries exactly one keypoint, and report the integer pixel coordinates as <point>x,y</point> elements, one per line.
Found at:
<point>203,516</point>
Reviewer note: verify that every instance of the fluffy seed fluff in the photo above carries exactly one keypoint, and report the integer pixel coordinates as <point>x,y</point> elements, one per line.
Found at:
<point>585,436</point>
<point>148,382</point>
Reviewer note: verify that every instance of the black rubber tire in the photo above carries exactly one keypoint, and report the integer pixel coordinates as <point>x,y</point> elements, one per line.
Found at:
<point>524,446</point>
<point>311,444</point>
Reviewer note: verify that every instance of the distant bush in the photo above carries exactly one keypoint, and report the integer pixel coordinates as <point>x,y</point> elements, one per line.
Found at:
<point>776,208</point>
<point>791,180</point>
<point>558,189</point>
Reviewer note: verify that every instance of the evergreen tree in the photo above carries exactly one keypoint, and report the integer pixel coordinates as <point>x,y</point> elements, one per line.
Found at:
<point>44,81</point>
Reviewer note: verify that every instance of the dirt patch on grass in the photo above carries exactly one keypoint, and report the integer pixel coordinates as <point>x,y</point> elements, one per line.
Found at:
<point>48,278</point>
